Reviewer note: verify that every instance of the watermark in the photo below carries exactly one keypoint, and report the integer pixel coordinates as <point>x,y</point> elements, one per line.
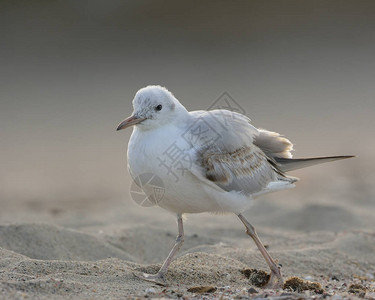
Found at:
<point>225,110</point>
<point>204,132</point>
<point>175,161</point>
<point>147,189</point>
<point>201,133</point>
<point>227,102</point>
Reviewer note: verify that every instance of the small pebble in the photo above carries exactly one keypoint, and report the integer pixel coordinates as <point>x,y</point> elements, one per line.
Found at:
<point>252,291</point>
<point>150,291</point>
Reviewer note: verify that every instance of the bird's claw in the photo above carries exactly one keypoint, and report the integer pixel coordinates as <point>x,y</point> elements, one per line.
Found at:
<point>275,281</point>
<point>154,278</point>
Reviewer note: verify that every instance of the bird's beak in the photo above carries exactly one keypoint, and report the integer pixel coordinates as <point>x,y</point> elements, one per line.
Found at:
<point>130,121</point>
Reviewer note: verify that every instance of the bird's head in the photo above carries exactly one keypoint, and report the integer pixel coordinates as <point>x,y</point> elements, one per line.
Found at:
<point>153,106</point>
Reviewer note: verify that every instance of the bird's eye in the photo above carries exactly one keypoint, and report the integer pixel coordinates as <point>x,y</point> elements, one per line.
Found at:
<point>159,107</point>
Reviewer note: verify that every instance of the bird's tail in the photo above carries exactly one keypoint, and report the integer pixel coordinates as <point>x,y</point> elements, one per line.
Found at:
<point>290,164</point>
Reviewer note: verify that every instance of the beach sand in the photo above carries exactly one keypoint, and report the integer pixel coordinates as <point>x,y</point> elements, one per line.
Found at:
<point>69,71</point>
<point>88,248</point>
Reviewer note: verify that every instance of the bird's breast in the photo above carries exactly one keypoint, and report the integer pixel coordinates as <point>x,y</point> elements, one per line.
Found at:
<point>166,158</point>
<point>156,151</point>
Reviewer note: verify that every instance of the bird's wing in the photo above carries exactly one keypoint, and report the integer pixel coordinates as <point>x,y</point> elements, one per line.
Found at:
<point>225,155</point>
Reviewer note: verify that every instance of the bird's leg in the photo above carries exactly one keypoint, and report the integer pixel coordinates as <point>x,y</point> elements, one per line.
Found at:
<point>159,276</point>
<point>276,280</point>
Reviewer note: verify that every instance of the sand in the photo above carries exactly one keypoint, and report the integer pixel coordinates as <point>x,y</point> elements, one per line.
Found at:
<point>89,248</point>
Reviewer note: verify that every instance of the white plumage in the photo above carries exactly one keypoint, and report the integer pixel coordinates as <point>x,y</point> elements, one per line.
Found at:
<point>209,161</point>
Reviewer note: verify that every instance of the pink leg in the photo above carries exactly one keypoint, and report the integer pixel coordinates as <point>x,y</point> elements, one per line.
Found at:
<point>276,280</point>
<point>159,277</point>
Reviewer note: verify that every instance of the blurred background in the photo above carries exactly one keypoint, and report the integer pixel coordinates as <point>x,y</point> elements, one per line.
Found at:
<point>69,71</point>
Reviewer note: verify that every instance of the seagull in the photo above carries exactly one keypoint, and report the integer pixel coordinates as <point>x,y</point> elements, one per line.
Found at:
<point>208,161</point>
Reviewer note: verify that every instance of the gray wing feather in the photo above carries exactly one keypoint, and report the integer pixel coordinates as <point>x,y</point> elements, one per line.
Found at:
<point>226,155</point>
<point>245,170</point>
<point>286,164</point>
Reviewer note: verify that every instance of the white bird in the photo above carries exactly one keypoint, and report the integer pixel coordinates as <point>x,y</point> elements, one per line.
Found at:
<point>208,161</point>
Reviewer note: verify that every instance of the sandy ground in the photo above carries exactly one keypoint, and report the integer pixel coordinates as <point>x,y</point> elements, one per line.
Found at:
<point>88,248</point>
<point>68,73</point>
